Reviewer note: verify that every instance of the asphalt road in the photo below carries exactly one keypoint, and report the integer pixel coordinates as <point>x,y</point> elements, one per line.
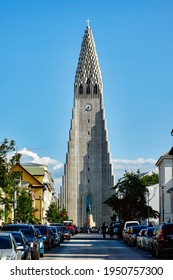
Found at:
<point>93,246</point>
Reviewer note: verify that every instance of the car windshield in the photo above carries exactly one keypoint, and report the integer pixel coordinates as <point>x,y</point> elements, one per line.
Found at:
<point>5,242</point>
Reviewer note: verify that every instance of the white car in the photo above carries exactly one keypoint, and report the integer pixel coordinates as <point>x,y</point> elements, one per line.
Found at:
<point>8,247</point>
<point>128,224</point>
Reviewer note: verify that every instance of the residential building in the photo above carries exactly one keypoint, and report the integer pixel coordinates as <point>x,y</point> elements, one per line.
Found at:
<point>165,165</point>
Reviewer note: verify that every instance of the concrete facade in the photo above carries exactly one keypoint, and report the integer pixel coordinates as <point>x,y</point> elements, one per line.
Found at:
<point>88,176</point>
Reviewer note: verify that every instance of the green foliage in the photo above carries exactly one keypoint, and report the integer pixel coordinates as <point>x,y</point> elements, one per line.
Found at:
<point>25,210</point>
<point>129,200</point>
<point>54,215</point>
<point>7,179</point>
<point>9,184</point>
<point>149,180</point>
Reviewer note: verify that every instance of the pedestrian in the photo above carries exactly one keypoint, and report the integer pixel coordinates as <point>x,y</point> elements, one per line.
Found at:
<point>104,230</point>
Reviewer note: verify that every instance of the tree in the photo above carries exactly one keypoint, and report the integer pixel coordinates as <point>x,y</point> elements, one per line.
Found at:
<point>25,210</point>
<point>54,215</point>
<point>149,180</point>
<point>129,200</point>
<point>8,180</point>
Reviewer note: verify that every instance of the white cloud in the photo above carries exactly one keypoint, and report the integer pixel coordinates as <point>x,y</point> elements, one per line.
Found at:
<point>119,165</point>
<point>144,165</point>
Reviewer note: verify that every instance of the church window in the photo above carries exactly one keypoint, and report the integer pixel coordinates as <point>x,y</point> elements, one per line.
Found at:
<point>88,120</point>
<point>88,181</point>
<point>95,89</point>
<point>88,132</point>
<point>81,89</point>
<point>88,169</point>
<point>88,86</point>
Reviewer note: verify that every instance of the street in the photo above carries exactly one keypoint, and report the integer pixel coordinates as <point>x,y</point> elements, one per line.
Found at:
<point>93,246</point>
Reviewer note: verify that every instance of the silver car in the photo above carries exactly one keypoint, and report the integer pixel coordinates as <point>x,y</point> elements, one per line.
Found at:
<point>8,247</point>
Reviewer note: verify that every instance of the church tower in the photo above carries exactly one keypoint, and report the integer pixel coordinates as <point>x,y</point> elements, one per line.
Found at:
<point>88,176</point>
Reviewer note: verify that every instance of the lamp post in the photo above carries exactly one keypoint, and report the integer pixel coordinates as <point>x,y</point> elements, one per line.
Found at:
<point>40,198</point>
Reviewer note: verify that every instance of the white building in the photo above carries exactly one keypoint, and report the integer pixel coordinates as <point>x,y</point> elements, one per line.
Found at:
<point>165,165</point>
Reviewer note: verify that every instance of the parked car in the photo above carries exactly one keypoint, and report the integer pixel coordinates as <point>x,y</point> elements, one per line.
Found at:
<point>57,235</point>
<point>67,233</point>
<point>41,242</point>
<point>60,230</point>
<point>84,230</point>
<point>52,236</point>
<point>8,247</point>
<point>139,240</point>
<point>44,230</point>
<point>134,232</point>
<point>30,233</point>
<point>148,234</point>
<point>162,241</point>
<point>115,230</point>
<point>128,224</point>
<point>76,228</point>
<point>22,241</point>
<point>126,235</point>
<point>69,224</point>
<point>94,230</point>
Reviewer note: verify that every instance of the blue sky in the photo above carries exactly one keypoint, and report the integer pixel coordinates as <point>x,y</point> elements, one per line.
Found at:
<point>39,50</point>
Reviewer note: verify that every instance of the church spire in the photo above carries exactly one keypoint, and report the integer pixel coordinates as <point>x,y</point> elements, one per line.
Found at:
<point>88,69</point>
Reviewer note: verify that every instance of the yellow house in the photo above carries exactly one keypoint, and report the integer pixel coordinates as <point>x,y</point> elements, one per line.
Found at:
<point>35,188</point>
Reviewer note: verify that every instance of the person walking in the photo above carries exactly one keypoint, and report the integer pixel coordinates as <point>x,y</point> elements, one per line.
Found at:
<point>104,230</point>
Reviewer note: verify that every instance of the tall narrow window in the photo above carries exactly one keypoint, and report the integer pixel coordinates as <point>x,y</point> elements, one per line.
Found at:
<point>81,89</point>
<point>95,89</point>
<point>88,86</point>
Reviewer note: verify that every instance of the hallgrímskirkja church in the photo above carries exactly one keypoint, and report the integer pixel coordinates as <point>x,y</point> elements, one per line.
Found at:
<point>88,173</point>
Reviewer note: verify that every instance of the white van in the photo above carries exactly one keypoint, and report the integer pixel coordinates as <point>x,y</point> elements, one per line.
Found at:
<point>128,224</point>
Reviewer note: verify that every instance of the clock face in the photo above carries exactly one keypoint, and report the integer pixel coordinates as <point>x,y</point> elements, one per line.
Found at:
<point>88,107</point>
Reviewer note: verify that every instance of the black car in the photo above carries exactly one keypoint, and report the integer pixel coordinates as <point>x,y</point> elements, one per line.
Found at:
<point>162,241</point>
<point>31,235</point>
<point>21,240</point>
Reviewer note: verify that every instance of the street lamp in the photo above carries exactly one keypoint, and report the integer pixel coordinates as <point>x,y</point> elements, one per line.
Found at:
<point>40,198</point>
